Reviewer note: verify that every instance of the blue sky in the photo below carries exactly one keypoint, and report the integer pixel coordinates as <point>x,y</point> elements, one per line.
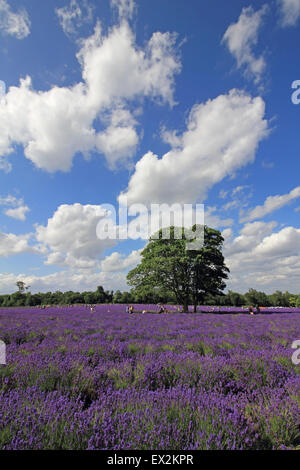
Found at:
<point>167,101</point>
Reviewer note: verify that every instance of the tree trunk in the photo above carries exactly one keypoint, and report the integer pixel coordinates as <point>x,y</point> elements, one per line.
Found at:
<point>186,305</point>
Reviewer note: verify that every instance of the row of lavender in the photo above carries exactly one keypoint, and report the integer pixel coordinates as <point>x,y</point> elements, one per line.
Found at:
<point>222,309</point>
<point>77,379</point>
<point>177,308</point>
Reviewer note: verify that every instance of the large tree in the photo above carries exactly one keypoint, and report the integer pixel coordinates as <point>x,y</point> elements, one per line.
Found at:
<point>21,286</point>
<point>190,274</point>
<point>209,269</point>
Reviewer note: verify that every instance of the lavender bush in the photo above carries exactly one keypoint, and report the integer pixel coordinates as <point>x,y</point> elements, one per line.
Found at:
<point>106,379</point>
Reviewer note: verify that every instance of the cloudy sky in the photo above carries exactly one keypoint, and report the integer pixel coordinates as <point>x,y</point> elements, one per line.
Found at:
<point>161,101</point>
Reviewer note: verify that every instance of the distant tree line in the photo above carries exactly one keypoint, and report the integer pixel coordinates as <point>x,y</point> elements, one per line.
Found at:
<point>23,297</point>
<point>234,299</point>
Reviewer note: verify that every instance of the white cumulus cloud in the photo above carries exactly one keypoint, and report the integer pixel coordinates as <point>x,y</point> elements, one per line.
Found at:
<point>271,204</point>
<point>74,15</point>
<point>249,237</point>
<point>17,213</point>
<point>125,8</point>
<point>290,12</point>
<point>54,125</point>
<point>222,135</point>
<point>70,236</point>
<point>14,24</point>
<point>241,37</point>
<point>263,257</point>
<point>281,244</point>
<point>11,244</point>
<point>16,207</point>
<point>118,262</point>
<point>64,281</point>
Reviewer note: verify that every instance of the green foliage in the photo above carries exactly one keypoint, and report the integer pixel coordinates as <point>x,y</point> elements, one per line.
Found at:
<point>189,275</point>
<point>21,299</point>
<point>253,297</point>
<point>21,286</point>
<point>204,293</point>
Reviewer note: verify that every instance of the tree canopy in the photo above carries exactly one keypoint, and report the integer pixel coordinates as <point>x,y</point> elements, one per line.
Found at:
<point>190,274</point>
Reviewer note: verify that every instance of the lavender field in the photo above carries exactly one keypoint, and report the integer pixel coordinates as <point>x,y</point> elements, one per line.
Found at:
<point>77,379</point>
